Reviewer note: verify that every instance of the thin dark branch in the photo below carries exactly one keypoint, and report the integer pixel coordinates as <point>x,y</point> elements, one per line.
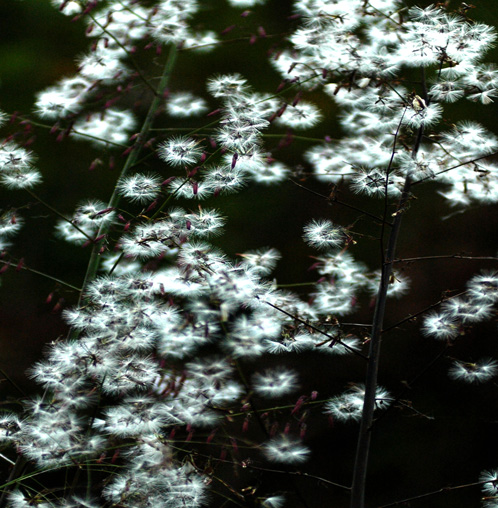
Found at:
<point>333,199</point>
<point>299,473</point>
<point>423,311</point>
<point>333,340</point>
<point>409,384</point>
<point>446,256</point>
<point>32,270</point>
<point>365,433</point>
<point>453,167</point>
<point>433,493</point>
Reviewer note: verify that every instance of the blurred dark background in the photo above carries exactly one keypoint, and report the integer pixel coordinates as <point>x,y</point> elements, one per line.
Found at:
<point>449,439</point>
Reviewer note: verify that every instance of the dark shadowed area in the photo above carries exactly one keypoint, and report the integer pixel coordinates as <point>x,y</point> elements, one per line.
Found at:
<point>440,433</point>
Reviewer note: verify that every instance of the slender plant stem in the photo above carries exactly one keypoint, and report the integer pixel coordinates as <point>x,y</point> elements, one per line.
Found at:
<point>363,446</point>
<point>37,272</point>
<point>130,161</point>
<point>365,433</point>
<point>113,203</point>
<point>58,214</point>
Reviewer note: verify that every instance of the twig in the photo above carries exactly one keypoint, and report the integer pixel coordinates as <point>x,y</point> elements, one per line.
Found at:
<point>365,433</point>
<point>32,270</point>
<point>333,340</point>
<point>342,203</point>
<point>446,256</point>
<point>433,493</point>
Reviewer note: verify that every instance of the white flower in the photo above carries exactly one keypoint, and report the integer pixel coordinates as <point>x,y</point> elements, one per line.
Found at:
<point>478,372</point>
<point>286,450</point>
<point>185,104</point>
<point>303,115</point>
<point>227,85</point>
<point>274,383</point>
<point>111,126</point>
<point>322,234</point>
<point>139,187</point>
<point>180,151</point>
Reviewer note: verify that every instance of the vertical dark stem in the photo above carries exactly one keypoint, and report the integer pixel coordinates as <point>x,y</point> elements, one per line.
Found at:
<point>363,445</point>
<point>113,203</point>
<point>130,161</point>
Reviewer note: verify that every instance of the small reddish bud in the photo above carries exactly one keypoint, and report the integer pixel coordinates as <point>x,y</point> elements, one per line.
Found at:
<point>281,111</point>
<point>102,212</point>
<point>20,265</point>
<point>299,405</point>
<point>245,425</point>
<point>261,31</point>
<point>302,431</point>
<point>273,429</point>
<point>151,206</point>
<point>168,181</point>
<point>228,29</point>
<point>281,86</point>
<point>127,151</point>
<point>95,163</point>
<point>58,306</point>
